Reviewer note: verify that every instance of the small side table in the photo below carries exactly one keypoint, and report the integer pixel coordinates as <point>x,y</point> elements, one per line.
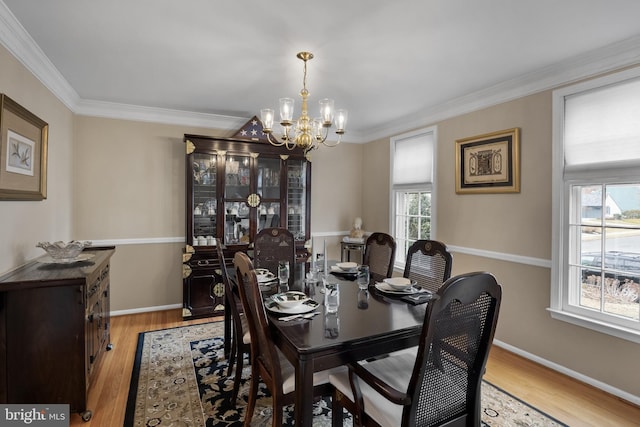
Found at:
<point>348,247</point>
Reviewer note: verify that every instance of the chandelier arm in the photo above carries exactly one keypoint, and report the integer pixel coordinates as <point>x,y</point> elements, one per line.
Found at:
<point>292,146</point>
<point>324,142</point>
<point>274,141</point>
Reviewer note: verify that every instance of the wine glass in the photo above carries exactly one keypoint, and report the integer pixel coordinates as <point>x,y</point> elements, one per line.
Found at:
<point>283,275</point>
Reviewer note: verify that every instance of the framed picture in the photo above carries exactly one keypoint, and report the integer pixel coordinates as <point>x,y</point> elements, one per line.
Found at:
<point>489,163</point>
<point>23,153</point>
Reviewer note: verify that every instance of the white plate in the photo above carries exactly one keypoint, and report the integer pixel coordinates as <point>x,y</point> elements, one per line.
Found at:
<point>82,257</point>
<point>399,283</point>
<point>347,266</point>
<point>264,275</point>
<point>290,299</point>
<point>305,307</point>
<point>384,287</point>
<point>336,269</point>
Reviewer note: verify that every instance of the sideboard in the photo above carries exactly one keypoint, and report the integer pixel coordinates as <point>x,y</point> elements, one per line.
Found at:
<point>54,329</point>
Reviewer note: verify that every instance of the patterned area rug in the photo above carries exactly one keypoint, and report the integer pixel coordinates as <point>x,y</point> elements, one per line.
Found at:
<point>179,379</point>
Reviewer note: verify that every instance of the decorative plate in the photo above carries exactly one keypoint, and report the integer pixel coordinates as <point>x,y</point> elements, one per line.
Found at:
<point>385,288</point>
<point>305,307</point>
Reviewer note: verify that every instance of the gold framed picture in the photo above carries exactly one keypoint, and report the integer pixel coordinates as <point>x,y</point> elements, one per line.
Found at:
<point>489,163</point>
<point>23,153</point>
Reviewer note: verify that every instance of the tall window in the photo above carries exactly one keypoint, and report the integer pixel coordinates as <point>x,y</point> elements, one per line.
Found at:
<point>596,166</point>
<point>412,168</point>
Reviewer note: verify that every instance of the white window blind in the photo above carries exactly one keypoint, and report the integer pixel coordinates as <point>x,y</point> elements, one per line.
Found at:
<point>413,160</point>
<point>602,127</point>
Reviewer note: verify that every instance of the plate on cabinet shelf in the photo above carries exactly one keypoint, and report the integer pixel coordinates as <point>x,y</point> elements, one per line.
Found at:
<point>48,260</point>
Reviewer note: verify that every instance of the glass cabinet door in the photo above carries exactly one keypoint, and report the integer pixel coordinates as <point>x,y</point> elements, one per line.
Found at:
<point>237,187</point>
<point>268,188</point>
<point>297,198</point>
<point>204,199</point>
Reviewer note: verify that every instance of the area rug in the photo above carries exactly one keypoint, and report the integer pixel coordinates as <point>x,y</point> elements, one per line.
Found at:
<point>179,379</point>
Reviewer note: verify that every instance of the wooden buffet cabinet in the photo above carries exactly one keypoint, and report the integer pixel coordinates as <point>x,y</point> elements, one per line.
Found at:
<point>54,329</point>
<point>235,188</point>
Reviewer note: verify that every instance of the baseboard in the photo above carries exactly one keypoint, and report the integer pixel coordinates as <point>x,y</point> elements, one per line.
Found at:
<point>570,373</point>
<point>145,309</point>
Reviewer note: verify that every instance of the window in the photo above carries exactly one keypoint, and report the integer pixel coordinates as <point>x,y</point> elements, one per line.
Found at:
<point>596,205</point>
<point>412,170</point>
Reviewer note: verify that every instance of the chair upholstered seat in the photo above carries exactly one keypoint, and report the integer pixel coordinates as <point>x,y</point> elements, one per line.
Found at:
<point>395,371</point>
<point>289,375</point>
<point>246,337</point>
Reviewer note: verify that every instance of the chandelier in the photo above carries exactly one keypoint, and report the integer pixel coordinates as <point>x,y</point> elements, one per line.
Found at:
<point>304,133</point>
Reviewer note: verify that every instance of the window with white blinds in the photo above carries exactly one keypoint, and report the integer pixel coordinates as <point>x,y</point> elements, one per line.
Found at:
<point>602,127</point>
<point>596,205</point>
<point>412,172</point>
<point>413,159</point>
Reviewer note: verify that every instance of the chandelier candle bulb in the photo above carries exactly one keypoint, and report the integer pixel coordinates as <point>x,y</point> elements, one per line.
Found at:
<point>286,111</point>
<point>266,116</point>
<point>326,111</point>
<point>341,121</point>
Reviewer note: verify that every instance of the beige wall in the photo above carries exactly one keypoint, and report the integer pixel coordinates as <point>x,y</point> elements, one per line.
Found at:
<point>24,224</point>
<point>375,189</point>
<point>514,225</point>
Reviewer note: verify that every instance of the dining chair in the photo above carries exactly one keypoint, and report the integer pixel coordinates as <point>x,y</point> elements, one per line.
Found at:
<point>428,263</point>
<point>272,245</point>
<point>380,254</point>
<point>440,383</point>
<point>240,337</point>
<point>267,362</point>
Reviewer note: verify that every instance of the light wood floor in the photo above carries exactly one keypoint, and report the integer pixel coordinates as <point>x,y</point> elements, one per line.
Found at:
<point>570,401</point>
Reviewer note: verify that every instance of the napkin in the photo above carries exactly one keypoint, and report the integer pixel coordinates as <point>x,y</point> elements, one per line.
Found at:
<point>418,298</point>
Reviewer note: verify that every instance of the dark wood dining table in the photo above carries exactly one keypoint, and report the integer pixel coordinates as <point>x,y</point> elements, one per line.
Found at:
<point>383,325</point>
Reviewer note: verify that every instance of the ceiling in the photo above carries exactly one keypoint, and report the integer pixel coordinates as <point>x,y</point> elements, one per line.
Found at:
<point>395,65</point>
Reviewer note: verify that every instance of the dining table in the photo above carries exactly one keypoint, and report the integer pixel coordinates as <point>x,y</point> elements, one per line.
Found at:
<point>368,323</point>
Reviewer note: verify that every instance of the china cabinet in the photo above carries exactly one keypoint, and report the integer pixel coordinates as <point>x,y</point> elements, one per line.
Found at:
<point>235,188</point>
<point>54,329</point>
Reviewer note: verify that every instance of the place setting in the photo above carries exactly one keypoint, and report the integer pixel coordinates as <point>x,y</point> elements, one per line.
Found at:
<point>347,270</point>
<point>296,304</point>
<point>266,279</point>
<point>405,289</point>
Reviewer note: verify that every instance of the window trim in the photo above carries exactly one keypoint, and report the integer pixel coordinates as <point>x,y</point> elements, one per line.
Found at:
<point>428,187</point>
<point>559,308</point>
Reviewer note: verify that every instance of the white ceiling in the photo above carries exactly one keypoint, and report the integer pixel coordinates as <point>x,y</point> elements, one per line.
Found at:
<point>394,65</point>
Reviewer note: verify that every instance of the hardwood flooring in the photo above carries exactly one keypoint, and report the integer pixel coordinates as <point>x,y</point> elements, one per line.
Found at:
<point>568,400</point>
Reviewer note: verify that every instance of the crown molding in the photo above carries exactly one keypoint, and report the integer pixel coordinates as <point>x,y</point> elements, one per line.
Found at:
<point>622,54</point>
<point>16,40</point>
<point>157,115</point>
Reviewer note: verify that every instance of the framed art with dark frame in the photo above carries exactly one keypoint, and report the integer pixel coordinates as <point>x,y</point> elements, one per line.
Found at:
<point>489,163</point>
<point>23,153</point>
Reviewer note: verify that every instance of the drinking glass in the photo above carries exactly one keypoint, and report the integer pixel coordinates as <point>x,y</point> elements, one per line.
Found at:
<point>331,295</point>
<point>363,299</point>
<point>283,275</point>
<point>331,325</point>
<point>363,277</point>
